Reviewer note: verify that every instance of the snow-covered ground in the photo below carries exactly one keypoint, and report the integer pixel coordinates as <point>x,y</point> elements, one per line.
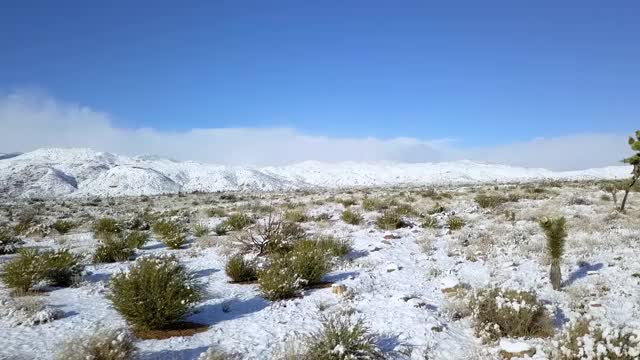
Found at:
<point>83,172</point>
<point>395,282</point>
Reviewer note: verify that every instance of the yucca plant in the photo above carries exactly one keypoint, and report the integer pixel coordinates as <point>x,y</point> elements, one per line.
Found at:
<point>556,233</point>
<point>635,161</point>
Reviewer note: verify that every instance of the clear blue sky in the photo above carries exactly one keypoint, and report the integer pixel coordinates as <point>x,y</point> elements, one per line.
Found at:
<point>486,72</point>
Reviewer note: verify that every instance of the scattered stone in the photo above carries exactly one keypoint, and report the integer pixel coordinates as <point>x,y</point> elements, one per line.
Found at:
<point>510,349</point>
<point>339,289</point>
<point>391,237</point>
<point>392,267</point>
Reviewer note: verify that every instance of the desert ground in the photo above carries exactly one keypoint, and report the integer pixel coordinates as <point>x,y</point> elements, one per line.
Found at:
<point>439,272</point>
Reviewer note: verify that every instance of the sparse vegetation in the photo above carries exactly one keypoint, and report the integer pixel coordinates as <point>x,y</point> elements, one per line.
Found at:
<point>61,267</point>
<point>634,161</point>
<point>136,239</point>
<point>296,216</point>
<point>156,293</point>
<point>351,217</point>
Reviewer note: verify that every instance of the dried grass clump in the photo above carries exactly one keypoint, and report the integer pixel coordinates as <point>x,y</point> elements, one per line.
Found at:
<point>455,223</point>
<point>486,201</point>
<point>351,217</point>
<point>104,345</point>
<point>390,220</point>
<point>509,313</point>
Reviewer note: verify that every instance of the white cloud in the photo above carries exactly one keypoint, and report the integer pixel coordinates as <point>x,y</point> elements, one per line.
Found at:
<point>28,122</point>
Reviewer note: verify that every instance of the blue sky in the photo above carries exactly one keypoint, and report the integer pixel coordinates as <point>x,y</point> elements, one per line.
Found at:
<point>486,73</point>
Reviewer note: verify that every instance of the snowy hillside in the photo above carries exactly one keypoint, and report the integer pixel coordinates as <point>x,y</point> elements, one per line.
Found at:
<point>82,172</point>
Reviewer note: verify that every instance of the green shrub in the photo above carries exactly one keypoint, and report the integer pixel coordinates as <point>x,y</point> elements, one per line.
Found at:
<point>137,239</point>
<point>63,226</point>
<point>429,222</point>
<point>238,221</point>
<point>171,233</point>
<point>240,270</point>
<point>587,340</point>
<point>273,236</point>
<point>371,204</point>
<point>24,271</point>
<point>351,217</point>
<point>106,227</point>
<point>310,262</point>
<point>341,338</point>
<point>296,216</point>
<point>155,293</point>
<point>221,229</point>
<point>346,202</point>
<point>9,243</point>
<point>490,201</point>
<point>279,281</point>
<point>200,230</point>
<point>556,234</point>
<point>328,244</point>
<point>455,223</point>
<point>390,220</point>
<point>216,212</point>
<point>405,210</point>
<point>436,209</point>
<point>510,313</point>
<point>113,248</point>
<point>25,222</point>
<point>102,345</point>
<point>61,267</point>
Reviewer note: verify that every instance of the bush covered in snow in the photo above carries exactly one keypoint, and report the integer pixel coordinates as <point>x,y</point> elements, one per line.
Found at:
<point>586,339</point>
<point>241,270</point>
<point>156,293</point>
<point>329,244</point>
<point>9,242</point>
<point>103,345</point>
<point>509,313</point>
<point>351,217</point>
<point>342,338</point>
<point>113,248</point>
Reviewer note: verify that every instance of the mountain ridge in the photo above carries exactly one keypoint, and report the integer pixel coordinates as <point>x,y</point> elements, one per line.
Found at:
<point>57,172</point>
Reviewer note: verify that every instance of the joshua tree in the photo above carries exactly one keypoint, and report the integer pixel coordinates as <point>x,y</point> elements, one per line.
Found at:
<point>555,230</point>
<point>635,162</point>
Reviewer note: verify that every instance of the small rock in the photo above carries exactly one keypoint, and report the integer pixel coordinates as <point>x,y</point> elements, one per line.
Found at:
<point>591,272</point>
<point>392,267</point>
<point>339,289</point>
<point>511,348</point>
<point>391,237</point>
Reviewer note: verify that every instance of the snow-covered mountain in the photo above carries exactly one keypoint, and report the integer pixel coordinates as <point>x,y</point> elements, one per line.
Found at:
<point>83,172</point>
